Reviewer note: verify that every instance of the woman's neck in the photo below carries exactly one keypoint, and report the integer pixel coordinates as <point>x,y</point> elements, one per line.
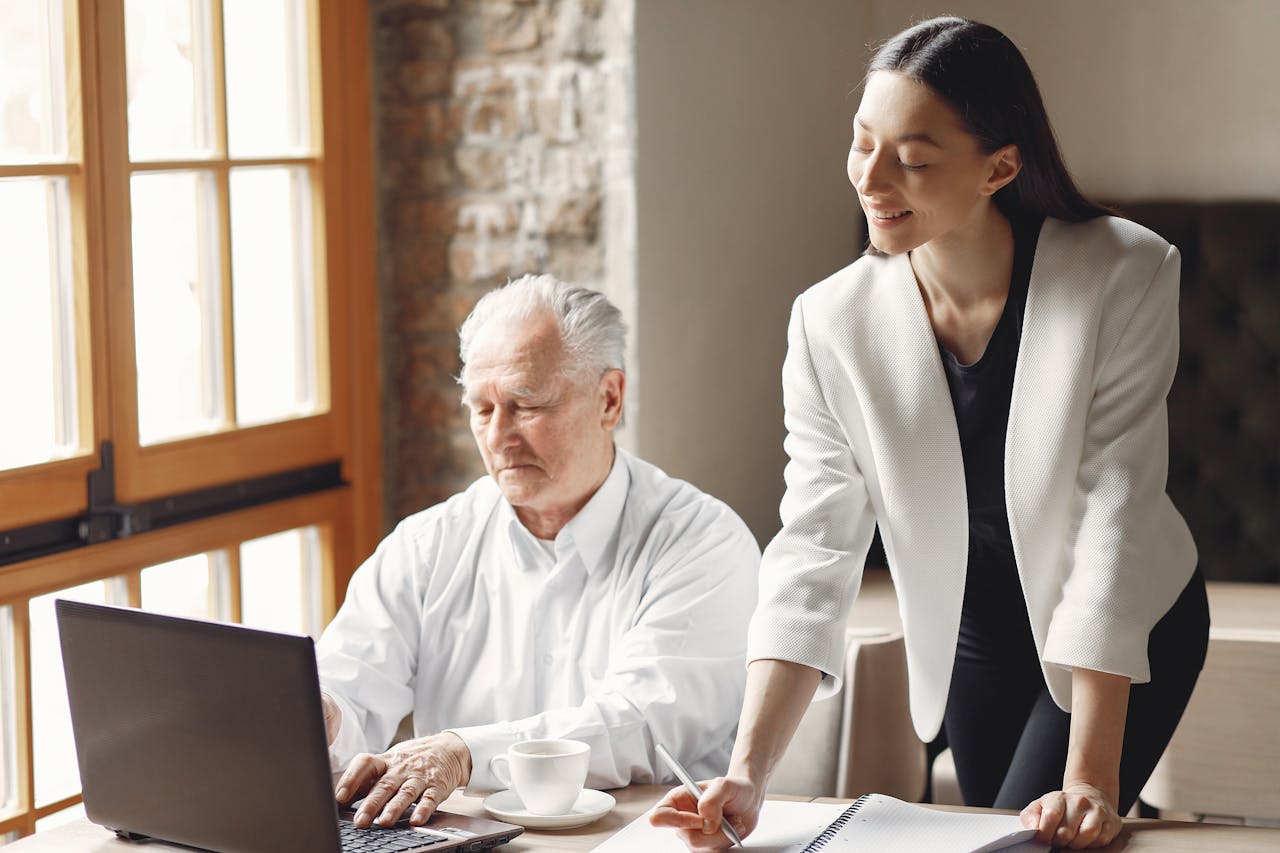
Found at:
<point>970,265</point>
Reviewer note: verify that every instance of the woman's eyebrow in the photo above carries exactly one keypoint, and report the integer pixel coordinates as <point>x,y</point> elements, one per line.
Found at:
<point>906,137</point>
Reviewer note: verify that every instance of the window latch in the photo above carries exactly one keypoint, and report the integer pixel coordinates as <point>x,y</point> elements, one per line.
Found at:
<point>106,519</point>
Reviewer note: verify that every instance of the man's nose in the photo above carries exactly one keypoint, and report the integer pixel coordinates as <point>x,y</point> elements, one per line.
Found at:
<point>502,430</point>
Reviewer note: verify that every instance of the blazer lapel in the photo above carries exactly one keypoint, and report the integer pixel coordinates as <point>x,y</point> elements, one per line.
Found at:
<point>911,428</point>
<point>1044,416</point>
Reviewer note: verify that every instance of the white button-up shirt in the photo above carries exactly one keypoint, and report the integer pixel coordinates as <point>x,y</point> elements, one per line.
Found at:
<point>630,631</point>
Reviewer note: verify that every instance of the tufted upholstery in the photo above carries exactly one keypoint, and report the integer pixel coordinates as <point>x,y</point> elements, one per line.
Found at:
<point>1224,408</point>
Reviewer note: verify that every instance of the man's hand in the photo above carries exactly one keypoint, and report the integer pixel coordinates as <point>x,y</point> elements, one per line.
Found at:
<point>425,770</point>
<point>332,717</point>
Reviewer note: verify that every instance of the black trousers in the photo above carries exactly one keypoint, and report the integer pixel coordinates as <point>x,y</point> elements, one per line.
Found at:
<point>1008,737</point>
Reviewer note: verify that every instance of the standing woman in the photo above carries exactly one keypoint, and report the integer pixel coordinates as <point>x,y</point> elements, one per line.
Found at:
<point>987,384</point>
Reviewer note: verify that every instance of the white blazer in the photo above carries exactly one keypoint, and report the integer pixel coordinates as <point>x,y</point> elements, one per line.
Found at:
<point>1101,551</point>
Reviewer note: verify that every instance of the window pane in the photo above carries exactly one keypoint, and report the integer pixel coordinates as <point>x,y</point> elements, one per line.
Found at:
<point>37,340</point>
<point>32,82</point>
<point>280,582</point>
<point>167,56</point>
<point>8,716</point>
<point>273,294</point>
<point>57,774</point>
<point>181,588</point>
<point>266,76</point>
<point>61,818</point>
<point>176,305</point>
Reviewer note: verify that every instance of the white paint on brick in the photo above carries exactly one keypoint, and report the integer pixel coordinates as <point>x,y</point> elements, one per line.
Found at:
<point>487,219</point>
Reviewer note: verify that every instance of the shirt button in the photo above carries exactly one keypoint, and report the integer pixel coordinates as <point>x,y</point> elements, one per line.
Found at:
<point>547,659</point>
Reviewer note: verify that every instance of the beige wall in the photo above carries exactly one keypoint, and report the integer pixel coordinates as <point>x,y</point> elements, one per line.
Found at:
<point>1149,98</point>
<point>743,109</point>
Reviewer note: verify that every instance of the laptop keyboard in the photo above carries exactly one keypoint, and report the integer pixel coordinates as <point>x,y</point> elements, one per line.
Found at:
<point>355,840</point>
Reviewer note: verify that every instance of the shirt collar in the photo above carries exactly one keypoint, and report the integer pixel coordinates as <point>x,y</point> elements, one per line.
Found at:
<point>591,531</point>
<point>593,528</point>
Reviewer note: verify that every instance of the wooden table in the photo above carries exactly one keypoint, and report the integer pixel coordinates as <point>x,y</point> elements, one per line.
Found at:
<point>1138,836</point>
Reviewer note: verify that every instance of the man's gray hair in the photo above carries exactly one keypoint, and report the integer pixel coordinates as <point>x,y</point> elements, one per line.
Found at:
<point>591,328</point>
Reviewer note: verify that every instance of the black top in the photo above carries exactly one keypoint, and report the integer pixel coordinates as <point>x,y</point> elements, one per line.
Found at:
<point>981,393</point>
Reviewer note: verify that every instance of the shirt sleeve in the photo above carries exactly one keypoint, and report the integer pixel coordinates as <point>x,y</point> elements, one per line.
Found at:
<point>367,655</point>
<point>812,569</point>
<point>676,677</point>
<point>1117,590</point>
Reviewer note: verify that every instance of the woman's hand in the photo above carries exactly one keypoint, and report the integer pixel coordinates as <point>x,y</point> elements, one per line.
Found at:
<point>1078,816</point>
<point>698,822</point>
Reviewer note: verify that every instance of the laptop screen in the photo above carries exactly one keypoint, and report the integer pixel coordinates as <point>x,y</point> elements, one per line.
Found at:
<point>205,734</point>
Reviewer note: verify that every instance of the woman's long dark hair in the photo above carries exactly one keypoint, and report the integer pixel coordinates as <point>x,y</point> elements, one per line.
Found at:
<point>982,74</point>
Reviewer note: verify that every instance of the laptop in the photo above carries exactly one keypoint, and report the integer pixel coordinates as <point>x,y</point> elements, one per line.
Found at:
<point>211,735</point>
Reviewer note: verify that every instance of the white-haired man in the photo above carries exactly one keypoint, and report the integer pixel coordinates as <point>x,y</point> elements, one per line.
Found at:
<point>575,592</point>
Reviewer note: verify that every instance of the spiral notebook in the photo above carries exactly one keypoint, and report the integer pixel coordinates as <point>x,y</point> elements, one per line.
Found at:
<point>880,823</point>
<point>873,823</point>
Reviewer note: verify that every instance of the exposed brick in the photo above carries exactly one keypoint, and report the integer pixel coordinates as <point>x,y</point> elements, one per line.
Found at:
<point>426,77</point>
<point>508,29</point>
<point>489,117</point>
<point>480,168</point>
<point>428,38</point>
<point>487,217</point>
<point>412,220</point>
<point>434,173</point>
<point>491,133</point>
<point>572,216</point>
<point>576,30</point>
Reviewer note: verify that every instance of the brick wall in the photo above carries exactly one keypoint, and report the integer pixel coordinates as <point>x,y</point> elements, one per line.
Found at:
<point>504,137</point>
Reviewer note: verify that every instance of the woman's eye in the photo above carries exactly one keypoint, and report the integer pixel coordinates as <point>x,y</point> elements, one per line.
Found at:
<point>913,167</point>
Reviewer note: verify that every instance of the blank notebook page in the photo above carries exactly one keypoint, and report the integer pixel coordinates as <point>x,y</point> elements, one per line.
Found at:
<point>885,825</point>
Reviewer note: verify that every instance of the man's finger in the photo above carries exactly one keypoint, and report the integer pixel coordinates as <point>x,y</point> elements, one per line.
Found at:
<point>362,771</point>
<point>432,797</point>
<point>379,795</point>
<point>403,799</point>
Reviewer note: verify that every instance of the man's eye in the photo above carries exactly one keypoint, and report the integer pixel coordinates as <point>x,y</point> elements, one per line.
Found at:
<point>913,167</point>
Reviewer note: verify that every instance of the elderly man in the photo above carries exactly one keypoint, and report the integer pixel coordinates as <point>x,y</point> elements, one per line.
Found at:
<point>575,592</point>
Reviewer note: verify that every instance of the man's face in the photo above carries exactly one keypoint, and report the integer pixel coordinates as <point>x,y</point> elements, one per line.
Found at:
<point>546,438</point>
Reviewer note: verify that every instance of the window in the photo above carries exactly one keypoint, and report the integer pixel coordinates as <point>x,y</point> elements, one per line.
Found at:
<point>188,337</point>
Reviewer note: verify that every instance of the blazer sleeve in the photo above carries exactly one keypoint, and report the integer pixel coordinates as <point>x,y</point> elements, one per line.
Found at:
<point>811,571</point>
<point>1125,557</point>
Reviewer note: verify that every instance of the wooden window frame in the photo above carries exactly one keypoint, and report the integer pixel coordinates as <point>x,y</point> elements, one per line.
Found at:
<point>347,430</point>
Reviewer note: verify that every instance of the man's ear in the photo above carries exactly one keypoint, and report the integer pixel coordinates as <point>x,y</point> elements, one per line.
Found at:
<point>1006,163</point>
<point>613,386</point>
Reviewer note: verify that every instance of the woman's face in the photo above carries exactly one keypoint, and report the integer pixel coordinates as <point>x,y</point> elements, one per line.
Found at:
<point>920,176</point>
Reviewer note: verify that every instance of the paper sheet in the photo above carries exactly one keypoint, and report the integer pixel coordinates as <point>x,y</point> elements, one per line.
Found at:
<point>784,828</point>
<point>882,824</point>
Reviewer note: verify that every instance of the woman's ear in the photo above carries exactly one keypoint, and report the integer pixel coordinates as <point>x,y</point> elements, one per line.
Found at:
<point>1005,163</point>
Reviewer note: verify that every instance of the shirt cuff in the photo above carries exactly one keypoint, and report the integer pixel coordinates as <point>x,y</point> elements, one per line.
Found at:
<point>350,740</point>
<point>485,742</point>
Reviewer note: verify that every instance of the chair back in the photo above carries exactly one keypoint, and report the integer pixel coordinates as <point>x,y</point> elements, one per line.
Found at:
<point>1224,759</point>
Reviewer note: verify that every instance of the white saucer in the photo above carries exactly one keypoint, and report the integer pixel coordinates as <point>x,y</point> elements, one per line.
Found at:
<point>590,805</point>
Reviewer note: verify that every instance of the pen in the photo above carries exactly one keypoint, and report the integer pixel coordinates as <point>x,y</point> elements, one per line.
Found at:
<point>692,787</point>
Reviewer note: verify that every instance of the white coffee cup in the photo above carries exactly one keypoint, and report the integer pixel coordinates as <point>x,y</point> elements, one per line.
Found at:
<point>547,775</point>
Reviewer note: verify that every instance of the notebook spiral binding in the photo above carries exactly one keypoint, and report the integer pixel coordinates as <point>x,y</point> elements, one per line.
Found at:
<point>834,829</point>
